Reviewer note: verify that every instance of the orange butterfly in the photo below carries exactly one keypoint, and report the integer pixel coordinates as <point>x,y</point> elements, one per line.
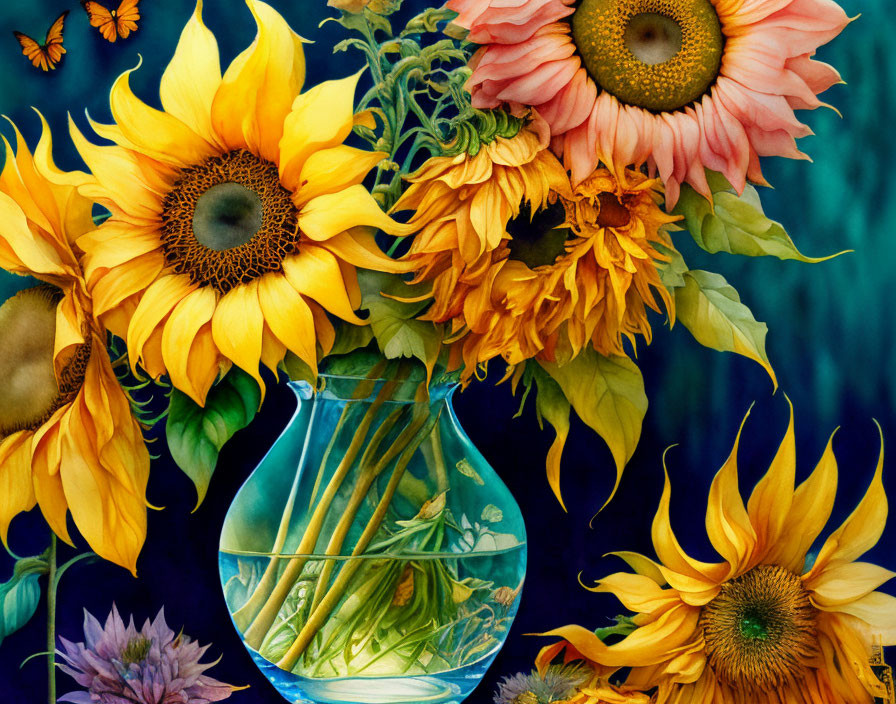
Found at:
<point>48,54</point>
<point>113,23</point>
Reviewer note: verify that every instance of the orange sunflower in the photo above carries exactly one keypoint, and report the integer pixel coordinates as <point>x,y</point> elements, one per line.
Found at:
<point>765,625</point>
<point>68,438</point>
<point>237,213</point>
<point>524,265</point>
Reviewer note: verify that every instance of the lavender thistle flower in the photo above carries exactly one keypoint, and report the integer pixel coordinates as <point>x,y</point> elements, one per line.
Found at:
<point>121,665</point>
<point>559,682</point>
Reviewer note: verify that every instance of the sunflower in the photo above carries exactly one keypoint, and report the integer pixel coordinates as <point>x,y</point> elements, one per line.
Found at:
<point>238,215</point>
<point>766,624</point>
<point>681,85</point>
<point>68,438</point>
<point>523,265</point>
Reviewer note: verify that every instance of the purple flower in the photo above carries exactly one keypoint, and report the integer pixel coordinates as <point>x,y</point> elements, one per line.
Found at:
<point>559,682</point>
<point>121,665</point>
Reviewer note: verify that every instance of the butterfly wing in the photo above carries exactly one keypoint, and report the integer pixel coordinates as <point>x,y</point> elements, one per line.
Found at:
<point>101,18</point>
<point>126,17</point>
<point>53,45</point>
<point>47,55</point>
<point>33,51</point>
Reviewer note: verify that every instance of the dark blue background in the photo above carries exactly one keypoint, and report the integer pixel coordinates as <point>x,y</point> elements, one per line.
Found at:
<point>831,342</point>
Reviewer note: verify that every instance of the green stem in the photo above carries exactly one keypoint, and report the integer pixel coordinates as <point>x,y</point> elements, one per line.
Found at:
<point>262,608</point>
<point>319,615</point>
<point>52,582</point>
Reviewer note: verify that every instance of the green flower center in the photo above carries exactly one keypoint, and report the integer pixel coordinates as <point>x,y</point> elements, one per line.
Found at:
<point>228,221</point>
<point>136,651</point>
<point>30,392</point>
<point>660,55</point>
<point>760,630</point>
<point>538,239</point>
<point>227,215</point>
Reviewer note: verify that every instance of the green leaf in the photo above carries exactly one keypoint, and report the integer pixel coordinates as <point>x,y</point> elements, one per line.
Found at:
<point>428,20</point>
<point>736,224</point>
<point>20,595</point>
<point>608,394</point>
<point>393,306</point>
<point>492,514</point>
<point>196,435</point>
<point>551,405</point>
<point>377,21</point>
<point>711,309</point>
<point>671,272</point>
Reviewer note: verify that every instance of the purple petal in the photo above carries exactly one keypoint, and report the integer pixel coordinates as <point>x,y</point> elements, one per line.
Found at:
<point>93,631</point>
<point>76,698</point>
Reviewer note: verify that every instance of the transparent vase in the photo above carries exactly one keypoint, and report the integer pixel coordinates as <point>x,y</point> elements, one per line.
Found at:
<point>373,555</point>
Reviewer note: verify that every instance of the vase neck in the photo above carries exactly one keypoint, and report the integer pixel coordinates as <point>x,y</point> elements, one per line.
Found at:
<point>356,388</point>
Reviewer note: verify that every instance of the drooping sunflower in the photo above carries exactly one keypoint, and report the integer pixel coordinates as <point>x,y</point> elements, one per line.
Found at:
<point>524,265</point>
<point>681,85</point>
<point>766,624</point>
<point>68,438</point>
<point>238,213</point>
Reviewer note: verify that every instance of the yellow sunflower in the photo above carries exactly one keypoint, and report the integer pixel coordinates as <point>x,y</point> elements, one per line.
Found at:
<point>68,438</point>
<point>765,625</point>
<point>523,265</point>
<point>238,214</point>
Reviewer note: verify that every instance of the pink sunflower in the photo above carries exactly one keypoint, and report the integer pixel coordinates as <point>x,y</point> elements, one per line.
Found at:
<point>681,85</point>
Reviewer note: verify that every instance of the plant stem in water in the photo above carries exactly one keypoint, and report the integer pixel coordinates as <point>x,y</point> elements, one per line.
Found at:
<point>263,606</point>
<point>319,615</point>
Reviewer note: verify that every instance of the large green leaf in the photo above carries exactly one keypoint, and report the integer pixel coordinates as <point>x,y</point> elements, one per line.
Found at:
<point>711,309</point>
<point>608,394</point>
<point>394,306</point>
<point>735,224</point>
<point>552,405</point>
<point>20,595</point>
<point>196,434</point>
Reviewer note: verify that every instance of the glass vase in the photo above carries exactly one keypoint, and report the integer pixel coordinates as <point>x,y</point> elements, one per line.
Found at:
<point>373,555</point>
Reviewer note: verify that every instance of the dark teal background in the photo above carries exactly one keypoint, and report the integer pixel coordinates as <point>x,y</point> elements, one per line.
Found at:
<point>831,341</point>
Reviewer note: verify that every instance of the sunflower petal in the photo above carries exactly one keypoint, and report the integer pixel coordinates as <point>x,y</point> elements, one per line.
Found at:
<point>320,118</point>
<point>45,459</point>
<point>16,487</point>
<point>20,250</point>
<point>727,522</point>
<point>315,272</point>
<point>329,215</point>
<point>258,88</point>
<point>878,610</point>
<point>847,582</point>
<point>637,593</point>
<point>334,169</point>
<point>772,498</point>
<point>154,133</point>
<point>157,302</point>
<point>192,77</point>
<point>670,552</point>
<point>359,248</point>
<point>650,644</point>
<point>181,342</point>
<point>237,328</point>
<point>861,531</point>
<point>288,317</point>
<point>808,515</point>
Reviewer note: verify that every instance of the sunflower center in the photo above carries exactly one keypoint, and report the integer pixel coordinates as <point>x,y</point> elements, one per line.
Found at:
<point>656,54</point>
<point>30,392</point>
<point>539,238</point>
<point>760,629</point>
<point>226,216</point>
<point>228,221</point>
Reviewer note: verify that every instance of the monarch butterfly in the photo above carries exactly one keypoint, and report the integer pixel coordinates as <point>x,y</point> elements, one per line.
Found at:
<point>48,54</point>
<point>113,23</point>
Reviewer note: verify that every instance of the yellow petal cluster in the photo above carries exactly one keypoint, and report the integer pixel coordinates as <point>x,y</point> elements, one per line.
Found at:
<point>88,456</point>
<point>175,303</point>
<point>595,292</point>
<point>827,608</point>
